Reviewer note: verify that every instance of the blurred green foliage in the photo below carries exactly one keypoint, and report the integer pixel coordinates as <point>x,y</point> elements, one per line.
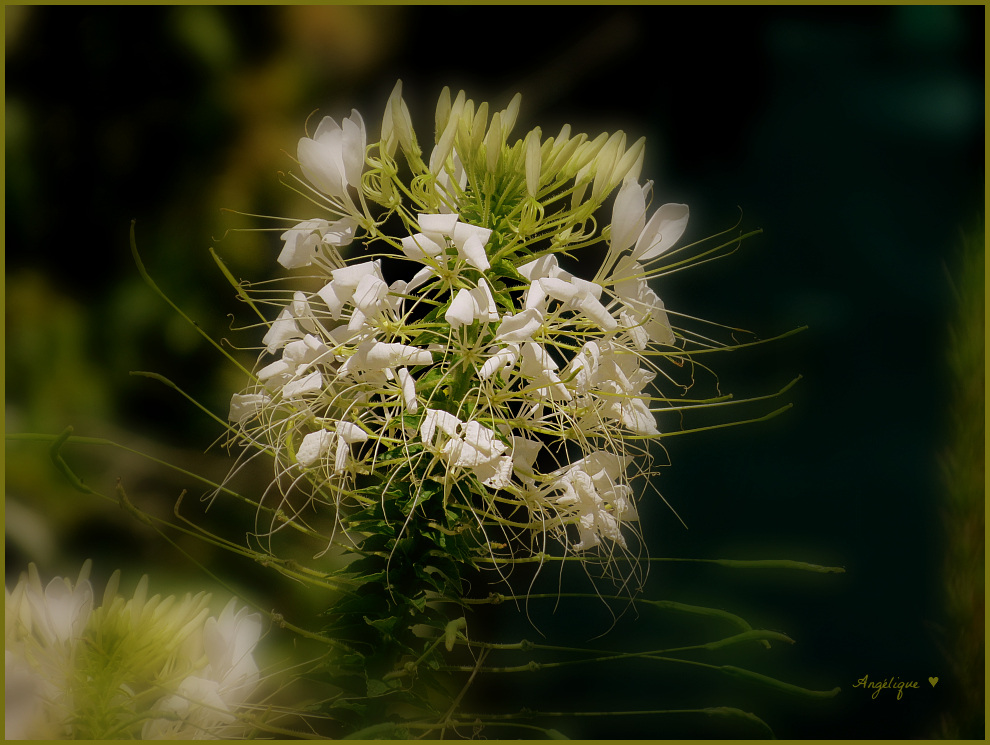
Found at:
<point>962,626</point>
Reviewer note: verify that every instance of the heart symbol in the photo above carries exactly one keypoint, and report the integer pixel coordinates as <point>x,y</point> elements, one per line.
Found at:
<point>933,681</point>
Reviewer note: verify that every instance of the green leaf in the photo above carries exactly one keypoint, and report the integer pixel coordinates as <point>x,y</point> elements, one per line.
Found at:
<point>377,688</point>
<point>349,705</point>
<point>360,605</point>
<point>384,625</point>
<point>450,633</point>
<point>402,451</point>
<point>505,268</point>
<point>366,565</point>
<point>428,382</point>
<point>419,602</point>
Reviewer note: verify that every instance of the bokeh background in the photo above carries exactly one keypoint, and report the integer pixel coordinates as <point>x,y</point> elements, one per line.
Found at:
<point>852,136</point>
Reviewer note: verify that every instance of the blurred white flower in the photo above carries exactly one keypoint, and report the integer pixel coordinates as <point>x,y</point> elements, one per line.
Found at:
<point>76,671</point>
<point>60,612</point>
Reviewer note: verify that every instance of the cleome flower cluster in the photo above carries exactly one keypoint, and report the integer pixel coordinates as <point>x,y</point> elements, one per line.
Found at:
<point>458,338</point>
<point>145,667</point>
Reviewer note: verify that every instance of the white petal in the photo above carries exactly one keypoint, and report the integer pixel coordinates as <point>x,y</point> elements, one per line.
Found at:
<point>406,355</point>
<point>408,384</point>
<point>353,145</point>
<point>438,419</point>
<point>484,301</point>
<point>382,355</point>
<point>301,311</point>
<point>602,461</point>
<point>322,164</point>
<point>524,453</point>
<point>276,369</point>
<point>25,706</point>
<point>473,252</point>
<point>297,353</point>
<point>459,453</point>
<point>445,179</point>
<point>628,216</point>
<point>597,312</point>
<point>519,327</point>
<point>243,406</point>
<point>558,289</point>
<point>283,329</point>
<point>419,246</point>
<point>334,298</point>
<point>501,359</point>
<point>314,446</point>
<point>358,321</point>
<point>536,296</point>
<point>500,471</point>
<point>229,643</point>
<point>625,270</point>
<point>341,455</point>
<point>588,288</point>
<point>658,326</point>
<point>316,344</point>
<point>439,224</point>
<point>312,383</point>
<point>462,310</point>
<point>483,439</point>
<point>341,232</point>
<point>636,415</point>
<point>636,331</point>
<point>328,131</point>
<point>351,432</point>
<point>538,268</point>
<point>646,308</point>
<point>538,365</point>
<point>463,231</point>
<point>341,335</point>
<point>663,230</point>
<point>536,358</point>
<point>370,292</point>
<point>302,243</point>
<point>351,276</point>
<point>419,278</point>
<point>634,293</point>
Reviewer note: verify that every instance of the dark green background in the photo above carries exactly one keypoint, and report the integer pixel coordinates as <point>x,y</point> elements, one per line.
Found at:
<point>852,136</point>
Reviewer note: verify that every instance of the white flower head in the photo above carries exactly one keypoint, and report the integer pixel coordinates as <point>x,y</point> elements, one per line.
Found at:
<point>465,342</point>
